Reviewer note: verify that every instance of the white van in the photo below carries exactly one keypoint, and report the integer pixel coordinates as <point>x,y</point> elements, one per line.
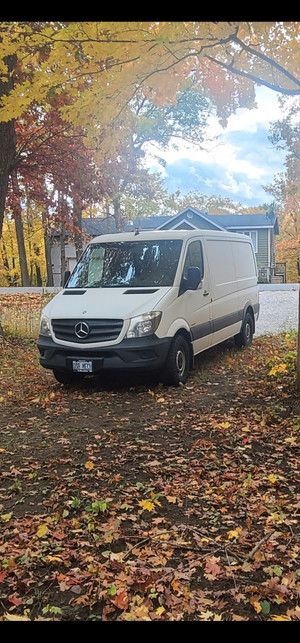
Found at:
<point>150,301</point>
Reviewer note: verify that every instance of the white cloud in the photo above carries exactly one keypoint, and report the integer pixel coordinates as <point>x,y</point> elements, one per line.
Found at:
<point>249,120</point>
<point>236,164</point>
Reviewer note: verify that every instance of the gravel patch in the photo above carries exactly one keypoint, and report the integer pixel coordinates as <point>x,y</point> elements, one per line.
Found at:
<point>278,312</point>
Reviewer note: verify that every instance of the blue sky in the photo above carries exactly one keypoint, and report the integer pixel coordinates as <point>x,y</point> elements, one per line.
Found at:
<point>237,164</point>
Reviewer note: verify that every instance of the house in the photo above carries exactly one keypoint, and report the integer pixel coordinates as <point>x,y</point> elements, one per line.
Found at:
<point>262,228</point>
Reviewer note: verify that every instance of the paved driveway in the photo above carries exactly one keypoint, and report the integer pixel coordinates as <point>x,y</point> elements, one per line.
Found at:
<point>278,311</point>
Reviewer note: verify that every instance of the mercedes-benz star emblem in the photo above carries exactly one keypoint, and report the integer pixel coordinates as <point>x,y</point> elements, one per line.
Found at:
<point>81,330</point>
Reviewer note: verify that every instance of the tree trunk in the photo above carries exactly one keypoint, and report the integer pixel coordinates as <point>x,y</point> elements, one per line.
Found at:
<point>108,217</point>
<point>20,232</point>
<point>62,215</point>
<point>22,251</point>
<point>298,357</point>
<point>118,214</point>
<point>47,247</point>
<point>10,280</point>
<point>7,140</point>
<point>62,253</point>
<point>39,281</point>
<point>77,220</point>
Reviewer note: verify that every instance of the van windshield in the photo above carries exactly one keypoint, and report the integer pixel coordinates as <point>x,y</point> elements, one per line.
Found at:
<point>127,264</point>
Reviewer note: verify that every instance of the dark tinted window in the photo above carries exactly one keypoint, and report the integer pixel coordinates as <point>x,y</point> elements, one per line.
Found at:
<point>127,264</point>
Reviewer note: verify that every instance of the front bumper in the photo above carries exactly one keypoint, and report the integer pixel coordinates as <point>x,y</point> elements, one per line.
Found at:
<point>145,353</point>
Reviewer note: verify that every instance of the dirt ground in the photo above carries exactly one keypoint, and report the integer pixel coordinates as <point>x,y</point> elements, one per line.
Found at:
<point>124,500</point>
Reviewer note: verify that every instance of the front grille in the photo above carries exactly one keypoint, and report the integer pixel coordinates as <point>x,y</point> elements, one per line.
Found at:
<point>98,330</point>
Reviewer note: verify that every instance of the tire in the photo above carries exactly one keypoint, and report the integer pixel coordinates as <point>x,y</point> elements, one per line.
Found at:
<point>245,337</point>
<point>68,379</point>
<point>177,366</point>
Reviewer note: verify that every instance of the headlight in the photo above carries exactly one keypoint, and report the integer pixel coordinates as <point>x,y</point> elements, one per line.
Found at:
<point>45,326</point>
<point>144,324</point>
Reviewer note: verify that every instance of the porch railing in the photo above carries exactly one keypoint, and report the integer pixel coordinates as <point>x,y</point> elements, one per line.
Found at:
<point>273,274</point>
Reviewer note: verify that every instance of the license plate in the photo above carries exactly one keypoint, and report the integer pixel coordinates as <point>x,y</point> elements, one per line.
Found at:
<point>82,366</point>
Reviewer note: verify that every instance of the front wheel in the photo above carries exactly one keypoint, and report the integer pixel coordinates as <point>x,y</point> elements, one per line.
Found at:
<point>177,366</point>
<point>245,337</point>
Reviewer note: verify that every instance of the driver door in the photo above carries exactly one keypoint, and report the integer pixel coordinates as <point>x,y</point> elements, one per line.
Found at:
<point>196,305</point>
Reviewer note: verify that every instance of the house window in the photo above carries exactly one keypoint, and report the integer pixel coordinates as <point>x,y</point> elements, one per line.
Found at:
<point>253,235</point>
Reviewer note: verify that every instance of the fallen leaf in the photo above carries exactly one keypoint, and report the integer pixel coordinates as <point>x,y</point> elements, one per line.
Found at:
<point>15,617</point>
<point>42,531</point>
<point>272,479</point>
<point>225,425</point>
<point>6,517</point>
<point>121,600</point>
<point>146,505</point>
<point>15,599</point>
<point>212,567</point>
<point>235,533</point>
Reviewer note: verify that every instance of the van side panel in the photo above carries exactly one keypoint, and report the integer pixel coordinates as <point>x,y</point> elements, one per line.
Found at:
<point>246,274</point>
<point>226,315</point>
<point>244,262</point>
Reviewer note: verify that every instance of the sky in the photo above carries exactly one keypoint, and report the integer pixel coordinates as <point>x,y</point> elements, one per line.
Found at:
<point>237,165</point>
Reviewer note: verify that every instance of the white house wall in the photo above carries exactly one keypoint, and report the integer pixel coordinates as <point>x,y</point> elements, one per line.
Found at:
<point>56,260</point>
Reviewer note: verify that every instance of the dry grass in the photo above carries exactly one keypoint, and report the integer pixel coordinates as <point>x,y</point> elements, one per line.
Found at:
<point>20,313</point>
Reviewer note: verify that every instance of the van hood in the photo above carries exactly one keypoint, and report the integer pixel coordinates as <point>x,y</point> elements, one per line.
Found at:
<point>109,303</point>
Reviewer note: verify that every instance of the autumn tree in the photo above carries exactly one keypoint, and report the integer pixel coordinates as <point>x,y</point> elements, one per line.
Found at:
<point>51,167</point>
<point>285,135</point>
<point>7,133</point>
<point>286,190</point>
<point>215,204</point>
<point>33,238</point>
<point>98,69</point>
<point>125,177</point>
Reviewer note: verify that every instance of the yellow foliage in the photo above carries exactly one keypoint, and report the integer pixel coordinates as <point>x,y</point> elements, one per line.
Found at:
<point>146,505</point>
<point>42,531</point>
<point>235,533</point>
<point>278,368</point>
<point>89,465</point>
<point>101,65</point>
<point>34,246</point>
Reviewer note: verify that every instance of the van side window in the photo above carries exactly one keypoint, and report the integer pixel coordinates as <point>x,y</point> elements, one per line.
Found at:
<point>194,258</point>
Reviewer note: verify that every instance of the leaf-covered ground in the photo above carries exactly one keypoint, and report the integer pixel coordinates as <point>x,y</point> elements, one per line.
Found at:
<point>127,500</point>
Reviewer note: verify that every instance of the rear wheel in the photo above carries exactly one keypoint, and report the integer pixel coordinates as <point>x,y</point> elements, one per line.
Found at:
<point>177,366</point>
<point>245,337</point>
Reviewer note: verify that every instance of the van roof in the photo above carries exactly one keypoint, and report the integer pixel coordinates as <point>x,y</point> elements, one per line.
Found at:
<point>168,234</point>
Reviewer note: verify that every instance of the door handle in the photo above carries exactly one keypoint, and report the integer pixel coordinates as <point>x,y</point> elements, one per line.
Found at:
<point>205,293</point>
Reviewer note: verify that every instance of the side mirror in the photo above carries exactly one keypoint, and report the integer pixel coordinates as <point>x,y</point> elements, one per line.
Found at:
<point>66,277</point>
<point>193,278</point>
<point>192,281</point>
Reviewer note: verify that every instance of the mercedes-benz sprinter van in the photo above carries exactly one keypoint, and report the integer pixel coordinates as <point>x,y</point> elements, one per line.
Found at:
<point>150,301</point>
